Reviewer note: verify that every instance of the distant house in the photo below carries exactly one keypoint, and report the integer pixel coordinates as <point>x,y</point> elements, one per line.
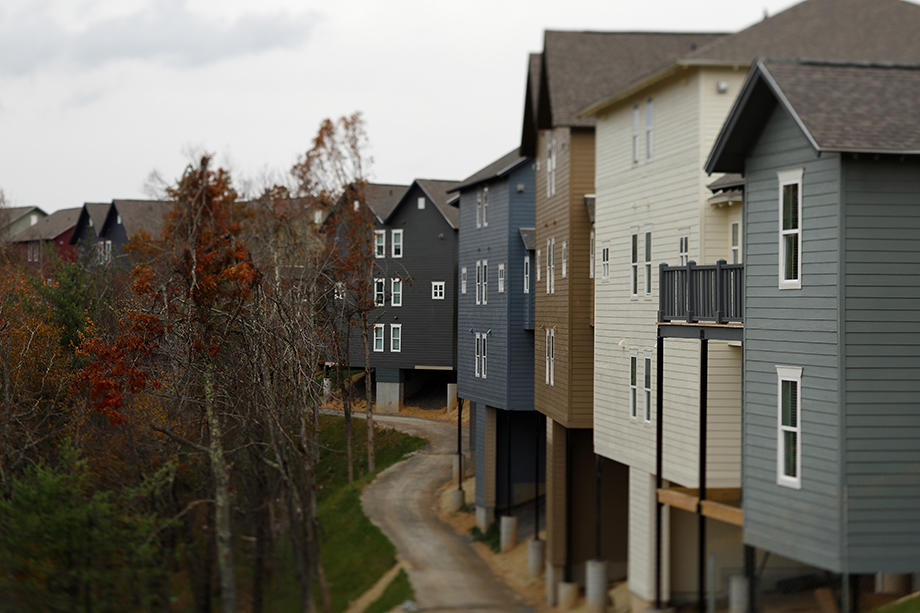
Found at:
<point>102,229</point>
<point>49,234</point>
<point>830,153</point>
<point>16,219</point>
<point>413,332</point>
<point>495,333</point>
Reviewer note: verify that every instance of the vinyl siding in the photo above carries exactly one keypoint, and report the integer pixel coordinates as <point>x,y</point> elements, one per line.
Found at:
<point>792,328</point>
<point>882,341</point>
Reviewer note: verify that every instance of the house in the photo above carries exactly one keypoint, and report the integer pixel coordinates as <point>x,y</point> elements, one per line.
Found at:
<point>575,69</point>
<point>495,333</point>
<point>830,153</point>
<point>413,331</point>
<point>49,234</point>
<point>668,365</point>
<point>104,228</point>
<point>16,219</point>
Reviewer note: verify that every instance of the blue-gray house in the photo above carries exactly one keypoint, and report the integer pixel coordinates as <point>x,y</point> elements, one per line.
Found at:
<point>830,153</point>
<point>495,333</point>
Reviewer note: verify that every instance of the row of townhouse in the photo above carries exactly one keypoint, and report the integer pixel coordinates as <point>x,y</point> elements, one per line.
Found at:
<point>710,376</point>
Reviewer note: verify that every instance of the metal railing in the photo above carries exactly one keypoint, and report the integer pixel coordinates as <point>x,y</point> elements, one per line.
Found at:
<point>694,293</point>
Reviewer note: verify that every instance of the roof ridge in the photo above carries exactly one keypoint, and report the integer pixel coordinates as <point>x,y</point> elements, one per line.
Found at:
<point>841,63</point>
<point>640,32</point>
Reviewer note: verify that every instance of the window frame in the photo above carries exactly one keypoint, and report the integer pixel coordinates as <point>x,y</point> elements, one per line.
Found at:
<point>501,278</point>
<point>479,209</point>
<point>788,374</point>
<point>634,263</point>
<point>537,266</point>
<point>380,288</point>
<point>552,357</point>
<point>485,207</point>
<point>647,387</point>
<point>463,277</point>
<point>635,134</point>
<point>649,110</point>
<point>484,356</point>
<point>478,352</point>
<point>552,266</point>
<point>393,243</point>
<point>605,262</point>
<point>734,248</point>
<point>380,246</point>
<point>421,203</point>
<point>648,262</point>
<point>633,380</point>
<point>592,257</point>
<point>395,283</point>
<point>565,259</point>
<point>485,282</point>
<point>546,352</point>
<point>438,290</point>
<point>397,337</point>
<point>381,338</point>
<point>478,281</point>
<point>785,178</point>
<point>683,249</point>
<point>526,274</point>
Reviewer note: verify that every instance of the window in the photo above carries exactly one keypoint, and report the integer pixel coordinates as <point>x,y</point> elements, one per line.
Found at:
<point>501,278</point>
<point>648,129</point>
<point>790,229</point>
<point>33,219</point>
<point>437,290</point>
<point>118,219</point>
<point>551,166</point>
<point>633,359</point>
<point>526,274</point>
<point>357,205</point>
<point>789,426</point>
<point>32,254</point>
<point>684,250</point>
<point>552,266</point>
<point>734,240</point>
<point>339,292</point>
<point>478,353</point>
<point>396,237</point>
<point>378,337</point>
<point>605,262</point>
<point>648,263</point>
<point>591,257</point>
<point>485,206</point>
<point>103,252</point>
<point>483,370</point>
<point>463,280</point>
<point>549,283</point>
<point>648,388</point>
<point>538,264</point>
<point>396,292</point>
<point>379,288</point>
<point>380,243</point>
<point>552,356</point>
<point>565,258</point>
<point>317,216</point>
<point>478,209</point>
<point>634,263</point>
<point>478,281</point>
<point>635,135</point>
<point>421,203</point>
<point>546,350</point>
<point>396,338</point>
<point>108,251</point>
<point>485,281</point>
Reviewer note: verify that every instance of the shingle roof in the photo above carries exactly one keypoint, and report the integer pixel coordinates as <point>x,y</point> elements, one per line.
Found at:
<point>529,238</point>
<point>582,67</point>
<point>880,30</point>
<point>496,169</point>
<point>49,227</point>
<point>10,215</point>
<point>727,181</point>
<point>98,211</point>
<point>437,189</point>
<point>382,198</point>
<point>142,214</point>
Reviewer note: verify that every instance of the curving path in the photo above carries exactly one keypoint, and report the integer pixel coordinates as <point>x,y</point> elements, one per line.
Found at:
<point>445,571</point>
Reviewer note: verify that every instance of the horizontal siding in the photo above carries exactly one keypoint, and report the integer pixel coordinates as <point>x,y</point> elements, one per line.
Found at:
<point>882,268</point>
<point>794,328</point>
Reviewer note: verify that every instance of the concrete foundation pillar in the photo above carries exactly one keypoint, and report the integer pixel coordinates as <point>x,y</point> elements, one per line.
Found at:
<point>389,397</point>
<point>451,396</point>
<point>536,556</point>
<point>485,517</point>
<point>508,528</point>
<point>892,583</point>
<point>455,500</point>
<point>738,594</point>
<point>596,585</point>
<point>568,595</point>
<point>456,467</point>
<point>551,580</point>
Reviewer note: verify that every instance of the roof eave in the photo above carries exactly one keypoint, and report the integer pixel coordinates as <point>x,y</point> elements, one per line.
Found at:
<point>498,175</point>
<point>600,107</point>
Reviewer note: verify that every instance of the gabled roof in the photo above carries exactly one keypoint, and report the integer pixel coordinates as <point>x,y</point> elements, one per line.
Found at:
<point>49,227</point>
<point>382,198</point>
<point>10,215</point>
<point>529,238</point>
<point>148,215</point>
<point>531,96</point>
<point>436,190</point>
<point>850,30</point>
<point>841,107</point>
<point>579,68</point>
<point>98,211</point>
<point>731,180</point>
<point>497,169</point>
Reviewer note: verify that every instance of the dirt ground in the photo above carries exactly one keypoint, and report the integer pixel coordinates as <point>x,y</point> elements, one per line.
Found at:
<point>440,414</point>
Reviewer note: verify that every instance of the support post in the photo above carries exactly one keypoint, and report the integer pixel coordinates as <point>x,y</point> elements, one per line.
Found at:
<point>701,519</point>
<point>536,477</point>
<point>659,438</point>
<point>508,498</point>
<point>598,468</point>
<point>719,293</point>
<point>750,565</point>
<point>460,442</point>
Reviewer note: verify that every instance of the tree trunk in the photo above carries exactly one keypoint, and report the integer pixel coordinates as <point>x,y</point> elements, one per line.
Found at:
<point>369,408</point>
<point>346,404</point>
<point>222,503</point>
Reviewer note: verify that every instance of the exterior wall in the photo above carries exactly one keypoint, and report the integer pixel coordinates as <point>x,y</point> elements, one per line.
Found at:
<point>429,330</point>
<point>556,484</point>
<point>882,355</point>
<point>520,355</point>
<point>792,328</point>
<point>21,224</point>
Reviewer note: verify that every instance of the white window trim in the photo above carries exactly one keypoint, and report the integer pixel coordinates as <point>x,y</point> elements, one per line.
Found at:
<point>438,290</point>
<point>421,203</point>
<point>648,129</point>
<point>395,328</point>
<point>549,283</point>
<point>526,274</point>
<point>382,284</point>
<point>501,278</point>
<point>478,281</point>
<point>380,246</point>
<point>338,293</point>
<point>485,281</point>
<point>565,258</point>
<point>552,357</point>
<point>394,294</point>
<point>788,373</point>
<point>633,388</point>
<point>381,328</point>
<point>546,351</point>
<point>478,209</point>
<point>393,243</point>
<point>537,267</point>
<point>478,352</point>
<point>647,243</point>
<point>634,263</point>
<point>733,249</point>
<point>591,255</point>
<point>789,177</point>
<point>635,135</point>
<point>605,262</point>
<point>463,276</point>
<point>683,248</point>
<point>647,386</point>
<point>485,207</point>
<point>552,266</point>
<point>484,356</point>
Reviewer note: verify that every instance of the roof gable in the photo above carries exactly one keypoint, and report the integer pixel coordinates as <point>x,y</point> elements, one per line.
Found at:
<point>137,215</point>
<point>50,227</point>
<point>495,170</point>
<point>437,191</point>
<point>382,198</point>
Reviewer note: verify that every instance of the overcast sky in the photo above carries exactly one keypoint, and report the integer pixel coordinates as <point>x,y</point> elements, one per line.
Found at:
<point>96,94</point>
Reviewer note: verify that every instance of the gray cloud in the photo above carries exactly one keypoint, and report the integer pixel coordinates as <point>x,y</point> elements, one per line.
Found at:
<point>166,32</point>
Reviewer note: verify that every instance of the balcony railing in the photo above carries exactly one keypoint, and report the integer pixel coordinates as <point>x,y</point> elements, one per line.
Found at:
<point>694,293</point>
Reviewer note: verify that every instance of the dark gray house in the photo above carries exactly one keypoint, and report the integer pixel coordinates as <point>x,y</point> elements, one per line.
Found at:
<point>414,330</point>
<point>830,154</point>
<point>103,228</point>
<point>495,333</point>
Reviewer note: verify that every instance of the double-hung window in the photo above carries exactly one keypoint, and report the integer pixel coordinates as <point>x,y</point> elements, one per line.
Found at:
<point>790,229</point>
<point>633,367</point>
<point>396,338</point>
<point>463,280</point>
<point>538,265</point>
<point>648,388</point>
<point>634,263</point>
<point>478,281</point>
<point>648,263</point>
<point>552,356</point>
<point>396,292</point>
<point>591,256</point>
<point>551,166</point>
<point>734,240</point>
<point>379,289</point>
<point>605,262</point>
<point>565,258</point>
<point>648,129</point>
<point>549,256</point>
<point>485,281</point>
<point>684,250</point>
<point>437,290</point>
<point>378,337</point>
<point>478,209</point>
<point>546,351</point>
<point>526,274</point>
<point>789,426</point>
<point>338,292</point>
<point>478,354</point>
<point>635,135</point>
<point>501,278</point>
<point>380,243</point>
<point>485,206</point>
<point>396,238</point>
<point>483,366</point>
<point>552,266</point>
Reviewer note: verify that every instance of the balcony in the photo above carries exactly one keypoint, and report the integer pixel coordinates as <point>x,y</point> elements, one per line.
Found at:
<point>695,294</point>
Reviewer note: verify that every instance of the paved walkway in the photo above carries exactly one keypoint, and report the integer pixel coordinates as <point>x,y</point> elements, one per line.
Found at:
<point>444,570</point>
